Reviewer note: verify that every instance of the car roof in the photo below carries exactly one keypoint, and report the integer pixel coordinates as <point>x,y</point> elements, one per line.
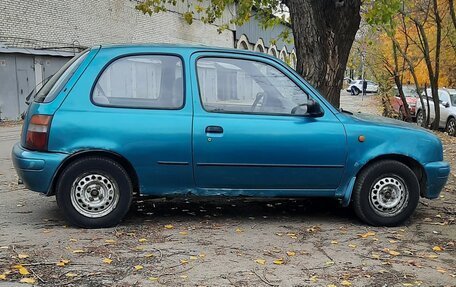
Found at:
<point>183,47</point>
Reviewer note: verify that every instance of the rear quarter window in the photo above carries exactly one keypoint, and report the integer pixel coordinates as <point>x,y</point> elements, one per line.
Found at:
<point>144,81</point>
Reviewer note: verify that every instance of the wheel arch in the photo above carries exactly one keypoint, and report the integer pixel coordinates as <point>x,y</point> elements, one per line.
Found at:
<point>412,163</point>
<point>102,153</point>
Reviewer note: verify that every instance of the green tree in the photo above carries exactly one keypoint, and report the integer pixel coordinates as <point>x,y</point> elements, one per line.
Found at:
<point>323,31</point>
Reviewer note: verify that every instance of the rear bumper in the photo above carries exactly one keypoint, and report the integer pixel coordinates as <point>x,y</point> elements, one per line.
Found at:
<point>36,169</point>
<point>437,176</point>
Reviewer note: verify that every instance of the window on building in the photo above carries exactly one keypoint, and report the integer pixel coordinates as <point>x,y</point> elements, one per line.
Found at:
<point>148,81</point>
<point>245,86</point>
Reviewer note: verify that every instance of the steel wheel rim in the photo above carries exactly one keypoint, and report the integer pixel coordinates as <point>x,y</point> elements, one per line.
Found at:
<point>451,127</point>
<point>388,196</point>
<point>94,195</point>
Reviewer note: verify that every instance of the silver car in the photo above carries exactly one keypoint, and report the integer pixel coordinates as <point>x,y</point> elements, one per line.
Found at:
<point>447,99</point>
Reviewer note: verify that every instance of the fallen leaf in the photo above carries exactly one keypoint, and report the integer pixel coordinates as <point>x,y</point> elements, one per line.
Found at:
<point>169,226</point>
<point>407,284</point>
<point>329,263</point>
<point>2,276</point>
<point>239,230</point>
<point>202,255</point>
<point>278,261</point>
<point>78,251</point>
<point>23,271</point>
<point>73,240</point>
<point>28,280</point>
<point>432,256</point>
<point>183,276</point>
<point>183,261</point>
<point>152,278</point>
<point>138,267</point>
<point>291,253</point>
<point>345,283</point>
<point>331,285</point>
<point>314,278</point>
<point>142,240</point>
<point>110,241</point>
<point>334,242</point>
<point>193,257</point>
<point>367,234</point>
<point>260,261</point>
<point>394,253</point>
<point>441,270</point>
<point>107,260</point>
<point>71,274</point>
<point>183,232</point>
<point>352,245</point>
<point>437,248</point>
<point>149,255</point>
<point>22,256</point>
<point>60,264</point>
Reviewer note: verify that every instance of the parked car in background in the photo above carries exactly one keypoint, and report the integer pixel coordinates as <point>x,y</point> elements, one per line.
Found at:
<point>447,106</point>
<point>120,121</point>
<point>411,96</point>
<point>356,87</point>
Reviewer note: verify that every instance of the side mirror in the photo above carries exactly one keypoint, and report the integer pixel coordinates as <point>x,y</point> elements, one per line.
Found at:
<point>446,104</point>
<point>314,109</point>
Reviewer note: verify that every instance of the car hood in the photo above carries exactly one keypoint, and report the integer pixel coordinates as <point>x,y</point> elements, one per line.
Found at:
<point>383,121</point>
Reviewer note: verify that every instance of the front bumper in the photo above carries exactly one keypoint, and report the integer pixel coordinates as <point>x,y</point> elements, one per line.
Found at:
<point>437,175</point>
<point>36,169</point>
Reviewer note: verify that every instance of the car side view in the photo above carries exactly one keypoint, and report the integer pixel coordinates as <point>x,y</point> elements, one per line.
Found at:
<point>121,121</point>
<point>447,106</point>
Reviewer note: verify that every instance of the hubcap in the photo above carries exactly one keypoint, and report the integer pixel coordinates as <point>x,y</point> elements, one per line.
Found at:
<point>420,119</point>
<point>94,195</point>
<point>451,128</point>
<point>388,196</point>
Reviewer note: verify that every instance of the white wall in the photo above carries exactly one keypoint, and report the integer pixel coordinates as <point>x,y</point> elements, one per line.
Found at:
<point>90,22</point>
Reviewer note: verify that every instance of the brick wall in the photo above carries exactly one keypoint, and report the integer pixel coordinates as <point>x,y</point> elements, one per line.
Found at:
<point>90,22</point>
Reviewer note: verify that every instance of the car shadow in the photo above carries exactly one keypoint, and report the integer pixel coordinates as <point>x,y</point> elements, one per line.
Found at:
<point>240,208</point>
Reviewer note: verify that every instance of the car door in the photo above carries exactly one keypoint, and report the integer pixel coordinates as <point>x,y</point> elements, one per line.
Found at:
<point>245,136</point>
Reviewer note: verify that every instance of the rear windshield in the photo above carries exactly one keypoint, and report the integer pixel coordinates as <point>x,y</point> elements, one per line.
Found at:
<point>55,84</point>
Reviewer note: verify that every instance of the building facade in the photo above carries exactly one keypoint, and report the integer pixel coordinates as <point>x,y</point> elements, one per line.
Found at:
<point>38,37</point>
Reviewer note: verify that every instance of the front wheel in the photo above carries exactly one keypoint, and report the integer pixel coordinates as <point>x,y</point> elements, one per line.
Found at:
<point>386,193</point>
<point>94,192</point>
<point>451,127</point>
<point>420,118</point>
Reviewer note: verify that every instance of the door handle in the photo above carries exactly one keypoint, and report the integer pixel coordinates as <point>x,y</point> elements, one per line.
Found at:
<point>214,130</point>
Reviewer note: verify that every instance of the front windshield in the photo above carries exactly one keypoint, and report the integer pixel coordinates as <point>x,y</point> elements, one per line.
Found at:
<point>53,86</point>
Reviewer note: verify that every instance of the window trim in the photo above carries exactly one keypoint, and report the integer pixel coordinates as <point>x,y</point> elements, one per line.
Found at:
<point>103,69</point>
<point>253,59</point>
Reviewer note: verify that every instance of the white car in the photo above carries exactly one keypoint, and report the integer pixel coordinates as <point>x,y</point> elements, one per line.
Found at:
<point>356,87</point>
<point>447,99</point>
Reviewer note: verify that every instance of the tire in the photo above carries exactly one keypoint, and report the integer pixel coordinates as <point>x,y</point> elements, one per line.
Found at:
<point>420,118</point>
<point>379,186</point>
<point>356,91</point>
<point>451,127</point>
<point>94,192</point>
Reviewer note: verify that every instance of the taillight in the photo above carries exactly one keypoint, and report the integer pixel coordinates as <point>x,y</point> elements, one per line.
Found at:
<point>38,132</point>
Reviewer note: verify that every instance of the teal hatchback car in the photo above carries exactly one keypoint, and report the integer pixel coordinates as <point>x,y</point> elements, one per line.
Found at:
<point>122,121</point>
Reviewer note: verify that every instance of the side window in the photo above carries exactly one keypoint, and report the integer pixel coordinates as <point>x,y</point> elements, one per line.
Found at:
<point>147,81</point>
<point>245,86</point>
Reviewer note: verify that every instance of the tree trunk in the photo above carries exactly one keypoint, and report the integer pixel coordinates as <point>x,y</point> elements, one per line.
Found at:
<point>324,32</point>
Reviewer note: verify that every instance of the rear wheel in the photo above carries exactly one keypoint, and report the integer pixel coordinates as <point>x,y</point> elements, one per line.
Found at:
<point>94,192</point>
<point>386,193</point>
<point>451,127</point>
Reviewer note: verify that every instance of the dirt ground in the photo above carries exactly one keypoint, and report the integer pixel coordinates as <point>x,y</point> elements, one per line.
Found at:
<point>225,242</point>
